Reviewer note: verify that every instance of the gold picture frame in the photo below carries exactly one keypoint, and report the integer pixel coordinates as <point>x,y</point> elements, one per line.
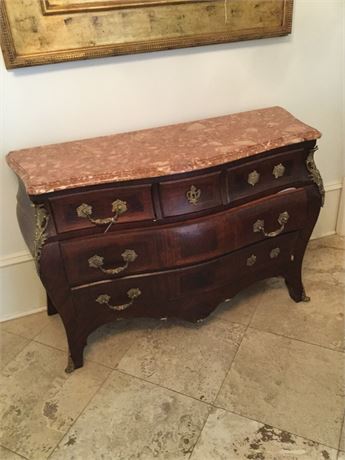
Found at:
<point>39,32</point>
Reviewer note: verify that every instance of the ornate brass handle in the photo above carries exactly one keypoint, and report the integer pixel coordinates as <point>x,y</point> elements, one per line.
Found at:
<point>259,225</point>
<point>97,262</point>
<point>132,294</point>
<point>118,207</point>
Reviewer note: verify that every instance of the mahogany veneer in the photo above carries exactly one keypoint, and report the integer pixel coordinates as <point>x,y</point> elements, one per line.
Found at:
<point>174,245</point>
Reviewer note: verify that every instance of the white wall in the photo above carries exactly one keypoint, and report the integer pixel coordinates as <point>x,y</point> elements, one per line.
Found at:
<point>39,105</point>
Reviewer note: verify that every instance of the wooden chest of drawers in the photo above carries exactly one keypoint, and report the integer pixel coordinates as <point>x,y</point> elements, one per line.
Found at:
<point>176,234</point>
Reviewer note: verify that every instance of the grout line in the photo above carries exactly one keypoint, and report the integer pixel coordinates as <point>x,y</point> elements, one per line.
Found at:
<point>13,452</point>
<point>28,341</point>
<point>341,432</point>
<point>262,292</point>
<point>239,345</point>
<point>298,340</point>
<point>220,387</point>
<point>232,361</point>
<point>273,426</point>
<point>21,335</point>
<point>86,360</point>
<point>200,433</point>
<point>81,412</point>
<point>222,383</point>
<point>164,387</point>
<point>65,350</point>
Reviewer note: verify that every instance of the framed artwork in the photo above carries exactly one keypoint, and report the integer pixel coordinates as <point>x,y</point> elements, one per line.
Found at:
<point>35,32</point>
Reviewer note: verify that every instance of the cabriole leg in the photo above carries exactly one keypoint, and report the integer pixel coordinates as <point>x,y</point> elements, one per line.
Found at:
<point>51,310</point>
<point>76,345</point>
<point>293,281</point>
<point>75,358</point>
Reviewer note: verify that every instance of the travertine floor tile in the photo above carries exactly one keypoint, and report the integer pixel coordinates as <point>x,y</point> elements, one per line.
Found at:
<point>6,454</point>
<point>10,346</point>
<point>333,241</point>
<point>228,436</point>
<point>27,326</point>
<point>109,343</point>
<point>133,419</point>
<point>342,438</point>
<point>241,308</point>
<point>191,359</point>
<point>53,334</point>
<point>106,345</point>
<point>291,385</point>
<point>320,321</point>
<point>39,401</point>
<point>324,261</point>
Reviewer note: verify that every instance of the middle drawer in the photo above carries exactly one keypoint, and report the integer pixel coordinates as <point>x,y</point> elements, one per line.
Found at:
<point>116,254</point>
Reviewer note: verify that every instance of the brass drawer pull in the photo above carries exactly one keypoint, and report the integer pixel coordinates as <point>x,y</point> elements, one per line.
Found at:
<point>132,294</point>
<point>259,225</point>
<point>97,262</point>
<point>118,207</point>
<point>274,253</point>
<point>253,178</point>
<point>251,260</point>
<point>193,195</point>
<point>278,171</point>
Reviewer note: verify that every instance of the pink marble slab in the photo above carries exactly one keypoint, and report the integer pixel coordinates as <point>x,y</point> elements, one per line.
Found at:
<point>157,152</point>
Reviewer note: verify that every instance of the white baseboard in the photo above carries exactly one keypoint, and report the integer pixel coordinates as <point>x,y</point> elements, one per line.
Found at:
<point>15,259</point>
<point>25,313</point>
<point>23,294</point>
<point>341,212</point>
<point>327,221</point>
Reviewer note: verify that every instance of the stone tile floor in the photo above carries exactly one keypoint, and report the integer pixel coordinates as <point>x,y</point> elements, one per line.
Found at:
<point>262,378</point>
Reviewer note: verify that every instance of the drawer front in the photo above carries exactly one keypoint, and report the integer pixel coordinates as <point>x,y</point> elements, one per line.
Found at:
<point>111,256</point>
<point>114,255</point>
<point>269,217</point>
<point>245,262</point>
<point>149,295</point>
<point>101,208</point>
<point>190,195</point>
<point>258,176</point>
<point>212,236</point>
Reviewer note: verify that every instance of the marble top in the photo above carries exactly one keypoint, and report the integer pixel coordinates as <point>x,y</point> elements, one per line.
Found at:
<point>157,152</point>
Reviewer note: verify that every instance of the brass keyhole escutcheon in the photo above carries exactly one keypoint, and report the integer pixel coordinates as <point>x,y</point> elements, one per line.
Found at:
<point>193,195</point>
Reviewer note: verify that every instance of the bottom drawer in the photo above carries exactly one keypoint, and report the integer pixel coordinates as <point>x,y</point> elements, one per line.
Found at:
<point>149,295</point>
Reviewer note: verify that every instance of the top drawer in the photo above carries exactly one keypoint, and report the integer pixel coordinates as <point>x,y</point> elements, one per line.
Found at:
<point>190,195</point>
<point>102,207</point>
<point>270,173</point>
